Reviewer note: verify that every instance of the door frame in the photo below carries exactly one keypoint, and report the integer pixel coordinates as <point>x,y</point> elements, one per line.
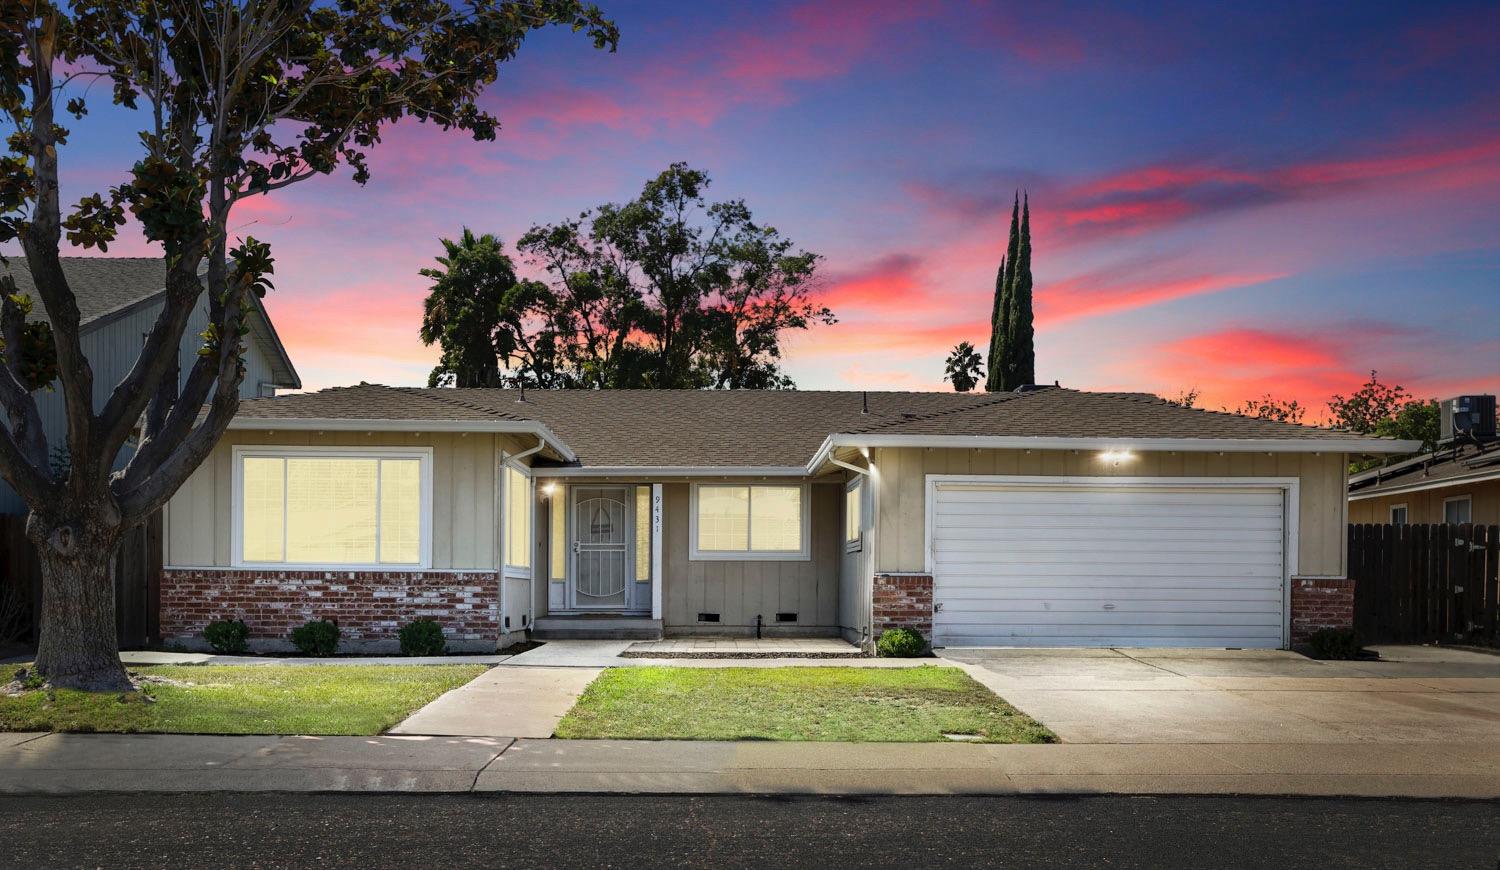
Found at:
<point>1290,500</point>
<point>570,583</point>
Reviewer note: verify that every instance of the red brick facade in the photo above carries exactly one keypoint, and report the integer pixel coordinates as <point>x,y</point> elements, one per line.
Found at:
<point>1319,603</point>
<point>369,606</point>
<point>903,601</point>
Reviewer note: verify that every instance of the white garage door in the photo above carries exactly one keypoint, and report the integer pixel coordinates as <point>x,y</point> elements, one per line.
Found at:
<point>1107,565</point>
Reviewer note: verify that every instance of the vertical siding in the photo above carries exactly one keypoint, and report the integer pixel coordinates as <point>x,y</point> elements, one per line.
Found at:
<point>901,534</point>
<point>740,590</point>
<point>463,495</point>
<point>1426,506</point>
<point>112,350</point>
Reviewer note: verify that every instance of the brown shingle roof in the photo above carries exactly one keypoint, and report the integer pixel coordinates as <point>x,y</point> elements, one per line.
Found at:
<point>1452,463</point>
<point>776,428</point>
<point>101,285</point>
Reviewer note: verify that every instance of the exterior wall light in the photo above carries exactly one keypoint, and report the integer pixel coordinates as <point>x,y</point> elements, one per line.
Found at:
<point>549,489</point>
<point>1115,457</point>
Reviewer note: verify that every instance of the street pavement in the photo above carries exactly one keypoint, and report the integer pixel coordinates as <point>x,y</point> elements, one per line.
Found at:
<point>254,830</point>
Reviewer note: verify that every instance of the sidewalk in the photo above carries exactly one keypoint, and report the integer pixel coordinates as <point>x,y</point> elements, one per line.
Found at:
<point>76,763</point>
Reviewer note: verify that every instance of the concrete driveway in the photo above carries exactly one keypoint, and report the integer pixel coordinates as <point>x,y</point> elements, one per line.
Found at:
<point>1412,695</point>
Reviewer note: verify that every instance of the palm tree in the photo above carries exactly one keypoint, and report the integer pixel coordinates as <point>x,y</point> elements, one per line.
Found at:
<point>963,369</point>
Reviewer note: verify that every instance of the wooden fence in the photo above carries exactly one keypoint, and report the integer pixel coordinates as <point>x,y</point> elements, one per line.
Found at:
<point>1426,583</point>
<point>137,583</point>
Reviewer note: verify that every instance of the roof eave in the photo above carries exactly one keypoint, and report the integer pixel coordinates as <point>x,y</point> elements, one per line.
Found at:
<point>345,424</point>
<point>1186,445</point>
<point>673,471</point>
<point>1422,485</point>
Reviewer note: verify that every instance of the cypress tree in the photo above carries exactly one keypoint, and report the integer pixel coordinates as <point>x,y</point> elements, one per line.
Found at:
<point>1001,359</point>
<point>1021,334</point>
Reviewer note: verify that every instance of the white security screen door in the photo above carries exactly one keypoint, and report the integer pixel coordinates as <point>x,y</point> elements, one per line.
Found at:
<point>601,576</point>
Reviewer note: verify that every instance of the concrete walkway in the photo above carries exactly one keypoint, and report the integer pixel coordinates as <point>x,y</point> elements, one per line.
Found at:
<point>76,763</point>
<point>503,702</point>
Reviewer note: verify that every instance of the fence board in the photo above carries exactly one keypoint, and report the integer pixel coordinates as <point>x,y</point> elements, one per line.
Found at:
<point>137,577</point>
<point>1426,583</point>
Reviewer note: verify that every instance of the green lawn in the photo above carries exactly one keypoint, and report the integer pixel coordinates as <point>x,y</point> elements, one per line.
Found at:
<point>918,704</point>
<point>243,699</point>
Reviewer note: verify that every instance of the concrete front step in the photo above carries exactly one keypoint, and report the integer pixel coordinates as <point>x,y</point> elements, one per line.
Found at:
<point>596,628</point>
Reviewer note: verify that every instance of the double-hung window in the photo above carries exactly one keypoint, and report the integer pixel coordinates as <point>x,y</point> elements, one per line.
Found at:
<point>749,521</point>
<point>333,507</point>
<point>1458,510</point>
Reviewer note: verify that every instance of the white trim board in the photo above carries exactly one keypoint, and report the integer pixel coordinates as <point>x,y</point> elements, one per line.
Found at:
<point>1290,486</point>
<point>273,451</point>
<point>707,471</point>
<point>332,424</point>
<point>1353,444</point>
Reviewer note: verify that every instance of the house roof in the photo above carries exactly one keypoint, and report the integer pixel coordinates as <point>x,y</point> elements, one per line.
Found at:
<point>792,430</point>
<point>1448,466</point>
<point>107,288</point>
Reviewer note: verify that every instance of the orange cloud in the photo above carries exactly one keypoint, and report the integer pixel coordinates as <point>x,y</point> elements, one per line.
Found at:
<point>1094,294</point>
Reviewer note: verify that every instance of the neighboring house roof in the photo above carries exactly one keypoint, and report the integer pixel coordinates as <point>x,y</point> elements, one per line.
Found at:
<point>108,288</point>
<point>752,431</point>
<point>1448,466</point>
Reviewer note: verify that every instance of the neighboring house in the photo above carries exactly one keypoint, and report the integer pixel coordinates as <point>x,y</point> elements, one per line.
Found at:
<point>1457,483</point>
<point>118,300</point>
<point>1042,518</point>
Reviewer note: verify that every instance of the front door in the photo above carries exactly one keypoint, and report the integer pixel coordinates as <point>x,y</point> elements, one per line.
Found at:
<point>601,575</point>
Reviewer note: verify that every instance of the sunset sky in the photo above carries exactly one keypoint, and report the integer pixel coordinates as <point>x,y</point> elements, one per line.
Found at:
<point>1277,198</point>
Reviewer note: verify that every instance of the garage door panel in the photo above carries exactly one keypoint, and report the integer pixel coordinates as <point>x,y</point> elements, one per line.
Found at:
<point>1103,565</point>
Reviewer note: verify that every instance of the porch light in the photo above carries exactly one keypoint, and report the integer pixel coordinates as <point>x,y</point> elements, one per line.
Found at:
<point>549,489</point>
<point>1115,457</point>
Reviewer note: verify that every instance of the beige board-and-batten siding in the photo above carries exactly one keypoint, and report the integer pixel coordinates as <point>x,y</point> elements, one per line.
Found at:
<point>464,499</point>
<point>902,538</point>
<point>1426,506</point>
<point>740,590</point>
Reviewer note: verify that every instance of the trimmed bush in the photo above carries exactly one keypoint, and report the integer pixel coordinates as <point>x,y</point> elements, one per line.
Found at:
<point>228,636</point>
<point>424,637</point>
<point>1334,643</point>
<point>319,637</point>
<point>900,643</point>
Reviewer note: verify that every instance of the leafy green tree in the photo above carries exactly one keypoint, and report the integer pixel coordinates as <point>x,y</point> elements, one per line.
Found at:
<point>670,291</point>
<point>1270,408</point>
<point>1416,421</point>
<point>1367,406</point>
<point>239,98</point>
<point>963,368</point>
<point>1012,352</point>
<point>477,311</point>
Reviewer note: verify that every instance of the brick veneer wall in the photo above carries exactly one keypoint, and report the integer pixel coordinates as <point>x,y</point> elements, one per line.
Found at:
<point>1319,603</point>
<point>369,606</point>
<point>903,601</point>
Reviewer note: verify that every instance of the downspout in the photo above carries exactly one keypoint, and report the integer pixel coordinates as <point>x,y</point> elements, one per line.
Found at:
<point>541,443</point>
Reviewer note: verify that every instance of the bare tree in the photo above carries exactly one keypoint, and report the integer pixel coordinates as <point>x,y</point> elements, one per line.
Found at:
<point>239,98</point>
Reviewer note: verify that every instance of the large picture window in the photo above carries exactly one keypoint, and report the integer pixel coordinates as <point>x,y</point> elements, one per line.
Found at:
<point>331,508</point>
<point>749,521</point>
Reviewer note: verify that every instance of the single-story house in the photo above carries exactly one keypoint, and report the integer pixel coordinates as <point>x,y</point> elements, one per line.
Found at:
<point>1457,483</point>
<point>1046,517</point>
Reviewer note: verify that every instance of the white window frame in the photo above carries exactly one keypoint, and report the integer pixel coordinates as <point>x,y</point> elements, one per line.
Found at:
<point>748,555</point>
<point>237,505</point>
<point>506,568</point>
<point>1406,514</point>
<point>1469,500</point>
<point>856,543</point>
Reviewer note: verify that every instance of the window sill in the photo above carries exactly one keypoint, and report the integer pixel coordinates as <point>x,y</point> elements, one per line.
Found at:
<point>748,556</point>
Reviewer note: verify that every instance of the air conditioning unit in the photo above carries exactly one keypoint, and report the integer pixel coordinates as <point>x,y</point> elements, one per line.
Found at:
<point>1468,417</point>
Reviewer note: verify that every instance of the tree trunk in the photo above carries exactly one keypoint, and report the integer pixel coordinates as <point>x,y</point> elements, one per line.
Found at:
<point>79,646</point>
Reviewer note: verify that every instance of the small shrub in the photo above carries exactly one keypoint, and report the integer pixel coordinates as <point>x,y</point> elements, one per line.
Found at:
<point>319,637</point>
<point>900,643</point>
<point>423,637</point>
<point>228,636</point>
<point>1334,643</point>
